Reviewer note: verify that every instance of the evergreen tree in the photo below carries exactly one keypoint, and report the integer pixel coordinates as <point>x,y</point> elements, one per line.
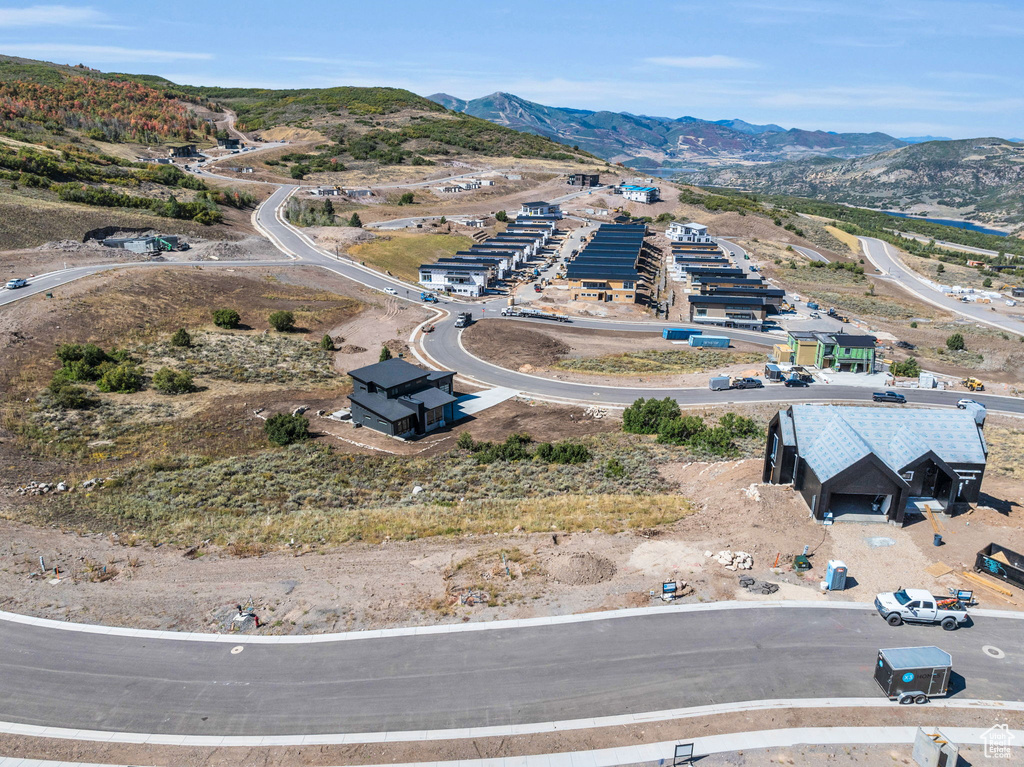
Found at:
<point>355,221</point>
<point>385,354</point>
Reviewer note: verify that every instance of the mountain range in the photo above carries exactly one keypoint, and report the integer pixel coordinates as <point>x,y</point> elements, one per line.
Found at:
<point>981,179</point>
<point>643,141</point>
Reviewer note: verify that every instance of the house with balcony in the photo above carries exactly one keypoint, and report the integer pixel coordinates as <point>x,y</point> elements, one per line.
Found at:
<point>400,399</point>
<point>728,311</point>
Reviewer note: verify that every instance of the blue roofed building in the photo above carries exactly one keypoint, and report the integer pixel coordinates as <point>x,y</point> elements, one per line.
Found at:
<point>873,463</point>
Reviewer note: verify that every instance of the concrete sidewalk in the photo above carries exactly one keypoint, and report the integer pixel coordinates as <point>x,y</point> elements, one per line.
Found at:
<point>664,751</point>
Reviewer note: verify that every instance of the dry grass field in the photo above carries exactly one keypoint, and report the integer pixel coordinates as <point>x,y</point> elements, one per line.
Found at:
<point>402,254</point>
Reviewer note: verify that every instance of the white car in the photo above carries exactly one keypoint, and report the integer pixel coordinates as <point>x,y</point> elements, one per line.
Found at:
<point>391,291</point>
<point>963,404</point>
<point>16,283</point>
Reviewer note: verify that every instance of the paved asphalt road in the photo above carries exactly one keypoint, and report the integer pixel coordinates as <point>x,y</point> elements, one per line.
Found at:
<point>885,258</point>
<point>811,254</point>
<point>445,348</point>
<point>474,678</point>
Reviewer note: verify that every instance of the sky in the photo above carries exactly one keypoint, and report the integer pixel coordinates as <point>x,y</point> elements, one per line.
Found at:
<point>905,67</point>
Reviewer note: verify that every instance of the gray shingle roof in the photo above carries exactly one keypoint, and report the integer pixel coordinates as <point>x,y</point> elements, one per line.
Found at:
<point>831,438</point>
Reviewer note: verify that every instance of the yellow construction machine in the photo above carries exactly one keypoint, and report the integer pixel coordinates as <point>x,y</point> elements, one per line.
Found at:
<point>973,384</point>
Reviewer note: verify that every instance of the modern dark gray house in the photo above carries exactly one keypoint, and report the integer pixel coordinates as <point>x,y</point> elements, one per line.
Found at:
<point>401,399</point>
<point>872,463</point>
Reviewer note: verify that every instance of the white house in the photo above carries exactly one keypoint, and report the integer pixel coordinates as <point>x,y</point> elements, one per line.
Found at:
<point>463,279</point>
<point>696,233</point>
<point>448,189</point>
<point>645,194</point>
<point>540,208</point>
<point>327,191</point>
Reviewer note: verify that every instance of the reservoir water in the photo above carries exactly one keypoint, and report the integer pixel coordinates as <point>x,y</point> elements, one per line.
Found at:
<point>949,222</point>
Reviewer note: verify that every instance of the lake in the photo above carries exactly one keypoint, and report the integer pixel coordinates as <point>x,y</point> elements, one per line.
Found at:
<point>949,222</point>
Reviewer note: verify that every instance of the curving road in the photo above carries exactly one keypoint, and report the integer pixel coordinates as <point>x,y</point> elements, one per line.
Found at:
<point>445,348</point>
<point>468,678</point>
<point>886,259</point>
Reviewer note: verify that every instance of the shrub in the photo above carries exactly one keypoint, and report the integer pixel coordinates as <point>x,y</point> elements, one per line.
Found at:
<point>716,441</point>
<point>170,381</point>
<point>738,425</point>
<point>644,416</point>
<point>327,343</point>
<point>956,342</point>
<point>286,429</point>
<point>90,354</point>
<point>614,469</point>
<point>68,397</point>
<point>226,318</point>
<point>123,379</point>
<point>181,338</point>
<point>913,324</point>
<point>987,282</point>
<point>562,452</point>
<point>908,368</point>
<point>679,431</point>
<point>406,199</point>
<point>282,321</point>
<point>501,216</point>
<point>465,441</point>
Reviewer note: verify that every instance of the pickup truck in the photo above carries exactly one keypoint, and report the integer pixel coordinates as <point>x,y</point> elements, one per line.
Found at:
<point>889,396</point>
<point>747,383</point>
<point>463,319</point>
<point>920,606</point>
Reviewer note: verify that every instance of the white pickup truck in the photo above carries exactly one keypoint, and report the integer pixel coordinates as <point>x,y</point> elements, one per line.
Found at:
<point>921,606</point>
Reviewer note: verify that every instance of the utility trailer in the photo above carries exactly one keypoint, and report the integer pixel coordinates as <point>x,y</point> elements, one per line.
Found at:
<point>537,314</point>
<point>914,674</point>
<point>1000,562</point>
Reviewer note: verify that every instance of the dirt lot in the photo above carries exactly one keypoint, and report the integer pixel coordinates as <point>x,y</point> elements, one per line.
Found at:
<point>519,346</point>
<point>464,578</point>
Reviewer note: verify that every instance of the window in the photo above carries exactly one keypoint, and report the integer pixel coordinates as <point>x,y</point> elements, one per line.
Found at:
<point>628,285</point>
<point>927,606</point>
<point>907,475</point>
<point>846,352</point>
<point>701,313</point>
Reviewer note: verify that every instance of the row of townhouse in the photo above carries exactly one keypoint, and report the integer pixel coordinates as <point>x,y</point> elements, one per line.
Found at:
<point>471,272</point>
<point>608,267</point>
<point>464,185</point>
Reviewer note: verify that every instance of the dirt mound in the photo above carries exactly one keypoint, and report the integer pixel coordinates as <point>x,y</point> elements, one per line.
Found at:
<point>580,568</point>
<point>351,349</point>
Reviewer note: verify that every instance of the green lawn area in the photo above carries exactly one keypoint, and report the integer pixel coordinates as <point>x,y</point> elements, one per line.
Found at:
<point>402,254</point>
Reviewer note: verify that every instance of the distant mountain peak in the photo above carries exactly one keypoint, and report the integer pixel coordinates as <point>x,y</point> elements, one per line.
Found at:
<point>624,137</point>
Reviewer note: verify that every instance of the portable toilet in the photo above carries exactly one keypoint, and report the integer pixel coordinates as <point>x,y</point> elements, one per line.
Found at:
<point>835,575</point>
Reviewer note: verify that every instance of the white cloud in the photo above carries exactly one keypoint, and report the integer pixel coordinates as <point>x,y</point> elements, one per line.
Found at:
<point>50,15</point>
<point>717,61</point>
<point>98,53</point>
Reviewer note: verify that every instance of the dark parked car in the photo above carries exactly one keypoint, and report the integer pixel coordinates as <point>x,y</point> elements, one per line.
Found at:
<point>748,383</point>
<point>796,382</point>
<point>888,396</point>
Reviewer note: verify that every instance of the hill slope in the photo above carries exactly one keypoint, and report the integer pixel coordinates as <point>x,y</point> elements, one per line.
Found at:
<point>642,141</point>
<point>982,179</point>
